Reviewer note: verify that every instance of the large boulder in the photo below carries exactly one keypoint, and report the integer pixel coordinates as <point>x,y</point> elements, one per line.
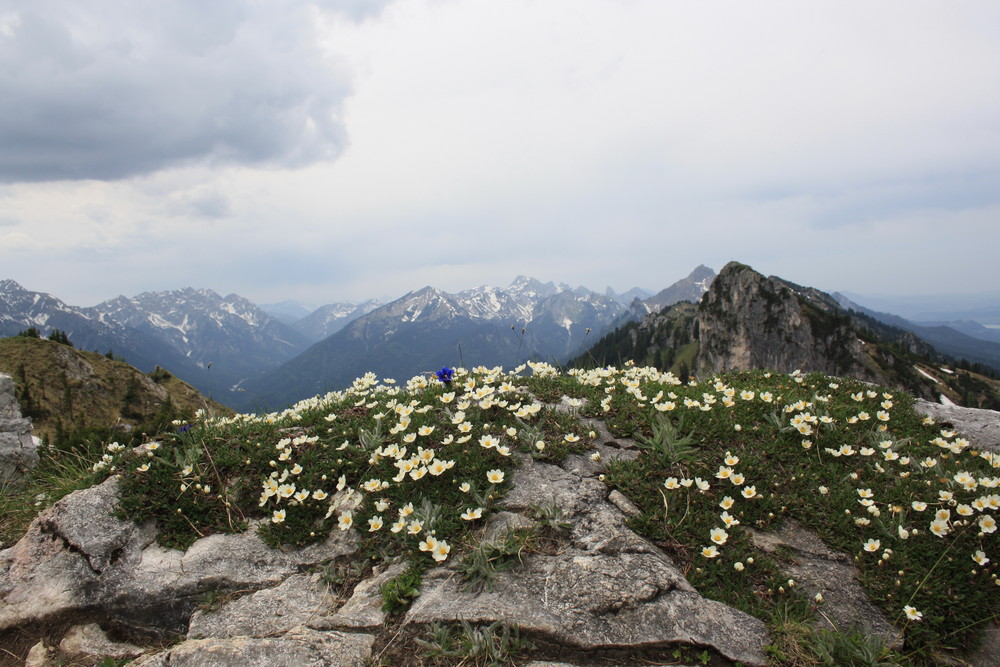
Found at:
<point>78,559</point>
<point>831,575</point>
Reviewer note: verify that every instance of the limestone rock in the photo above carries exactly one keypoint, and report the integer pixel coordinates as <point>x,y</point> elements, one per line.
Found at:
<point>607,588</point>
<point>988,653</point>
<point>818,569</point>
<point>364,609</point>
<point>979,427</point>
<point>39,656</point>
<point>76,557</point>
<point>90,641</point>
<point>48,572</point>
<point>17,448</point>
<point>297,601</point>
<point>748,321</point>
<point>300,646</point>
<point>596,601</point>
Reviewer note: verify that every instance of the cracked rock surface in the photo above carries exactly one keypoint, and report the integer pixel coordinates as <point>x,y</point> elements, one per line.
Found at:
<point>818,569</point>
<point>78,558</point>
<point>979,427</point>
<point>300,646</point>
<point>607,588</point>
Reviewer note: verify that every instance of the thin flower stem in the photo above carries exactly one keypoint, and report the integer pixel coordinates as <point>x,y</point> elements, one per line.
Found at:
<point>933,567</point>
<point>222,488</point>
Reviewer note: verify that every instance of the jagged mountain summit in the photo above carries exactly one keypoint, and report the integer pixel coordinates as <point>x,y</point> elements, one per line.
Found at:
<point>240,355</point>
<point>688,289</point>
<point>231,333</point>
<point>331,318</point>
<point>746,320</point>
<point>428,328</point>
<point>213,342</point>
<point>21,308</point>
<point>627,297</point>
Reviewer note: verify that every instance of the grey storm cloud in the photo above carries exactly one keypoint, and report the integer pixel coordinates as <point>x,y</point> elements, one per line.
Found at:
<point>107,89</point>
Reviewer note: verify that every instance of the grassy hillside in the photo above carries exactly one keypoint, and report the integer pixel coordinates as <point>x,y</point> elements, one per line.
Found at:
<point>70,394</point>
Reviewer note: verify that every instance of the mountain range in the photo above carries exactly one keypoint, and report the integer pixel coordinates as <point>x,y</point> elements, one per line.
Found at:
<point>244,357</point>
<point>247,358</point>
<point>429,328</point>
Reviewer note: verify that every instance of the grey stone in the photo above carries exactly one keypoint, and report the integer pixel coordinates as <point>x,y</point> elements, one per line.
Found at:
<point>39,656</point>
<point>596,601</point>
<point>596,524</point>
<point>605,436</point>
<point>980,427</point>
<point>90,641</point>
<point>502,523</point>
<point>76,557</point>
<point>607,588</point>
<point>988,653</point>
<point>364,608</point>
<point>300,646</point>
<point>627,507</point>
<point>818,569</point>
<point>48,572</point>
<point>18,449</point>
<point>297,601</point>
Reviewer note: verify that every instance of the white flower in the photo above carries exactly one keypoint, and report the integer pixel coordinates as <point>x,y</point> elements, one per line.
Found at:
<point>441,551</point>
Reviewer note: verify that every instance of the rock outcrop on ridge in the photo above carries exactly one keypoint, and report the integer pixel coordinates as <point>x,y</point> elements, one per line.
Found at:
<point>17,446</point>
<point>747,321</point>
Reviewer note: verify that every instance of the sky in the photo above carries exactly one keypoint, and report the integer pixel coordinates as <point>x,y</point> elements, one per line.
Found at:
<point>340,150</point>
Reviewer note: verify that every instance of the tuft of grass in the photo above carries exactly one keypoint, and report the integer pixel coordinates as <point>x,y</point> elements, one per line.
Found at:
<point>59,472</point>
<point>494,644</point>
<point>400,591</point>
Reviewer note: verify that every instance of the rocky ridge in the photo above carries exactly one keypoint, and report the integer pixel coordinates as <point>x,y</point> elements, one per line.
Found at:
<point>83,575</point>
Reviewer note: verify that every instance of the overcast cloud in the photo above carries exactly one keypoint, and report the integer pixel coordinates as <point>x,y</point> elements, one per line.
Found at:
<point>344,150</point>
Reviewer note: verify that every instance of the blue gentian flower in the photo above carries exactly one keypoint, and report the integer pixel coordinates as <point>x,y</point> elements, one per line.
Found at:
<point>446,374</point>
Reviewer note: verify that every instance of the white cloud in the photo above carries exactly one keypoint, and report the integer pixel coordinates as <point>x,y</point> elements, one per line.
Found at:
<point>108,90</point>
<point>585,141</point>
